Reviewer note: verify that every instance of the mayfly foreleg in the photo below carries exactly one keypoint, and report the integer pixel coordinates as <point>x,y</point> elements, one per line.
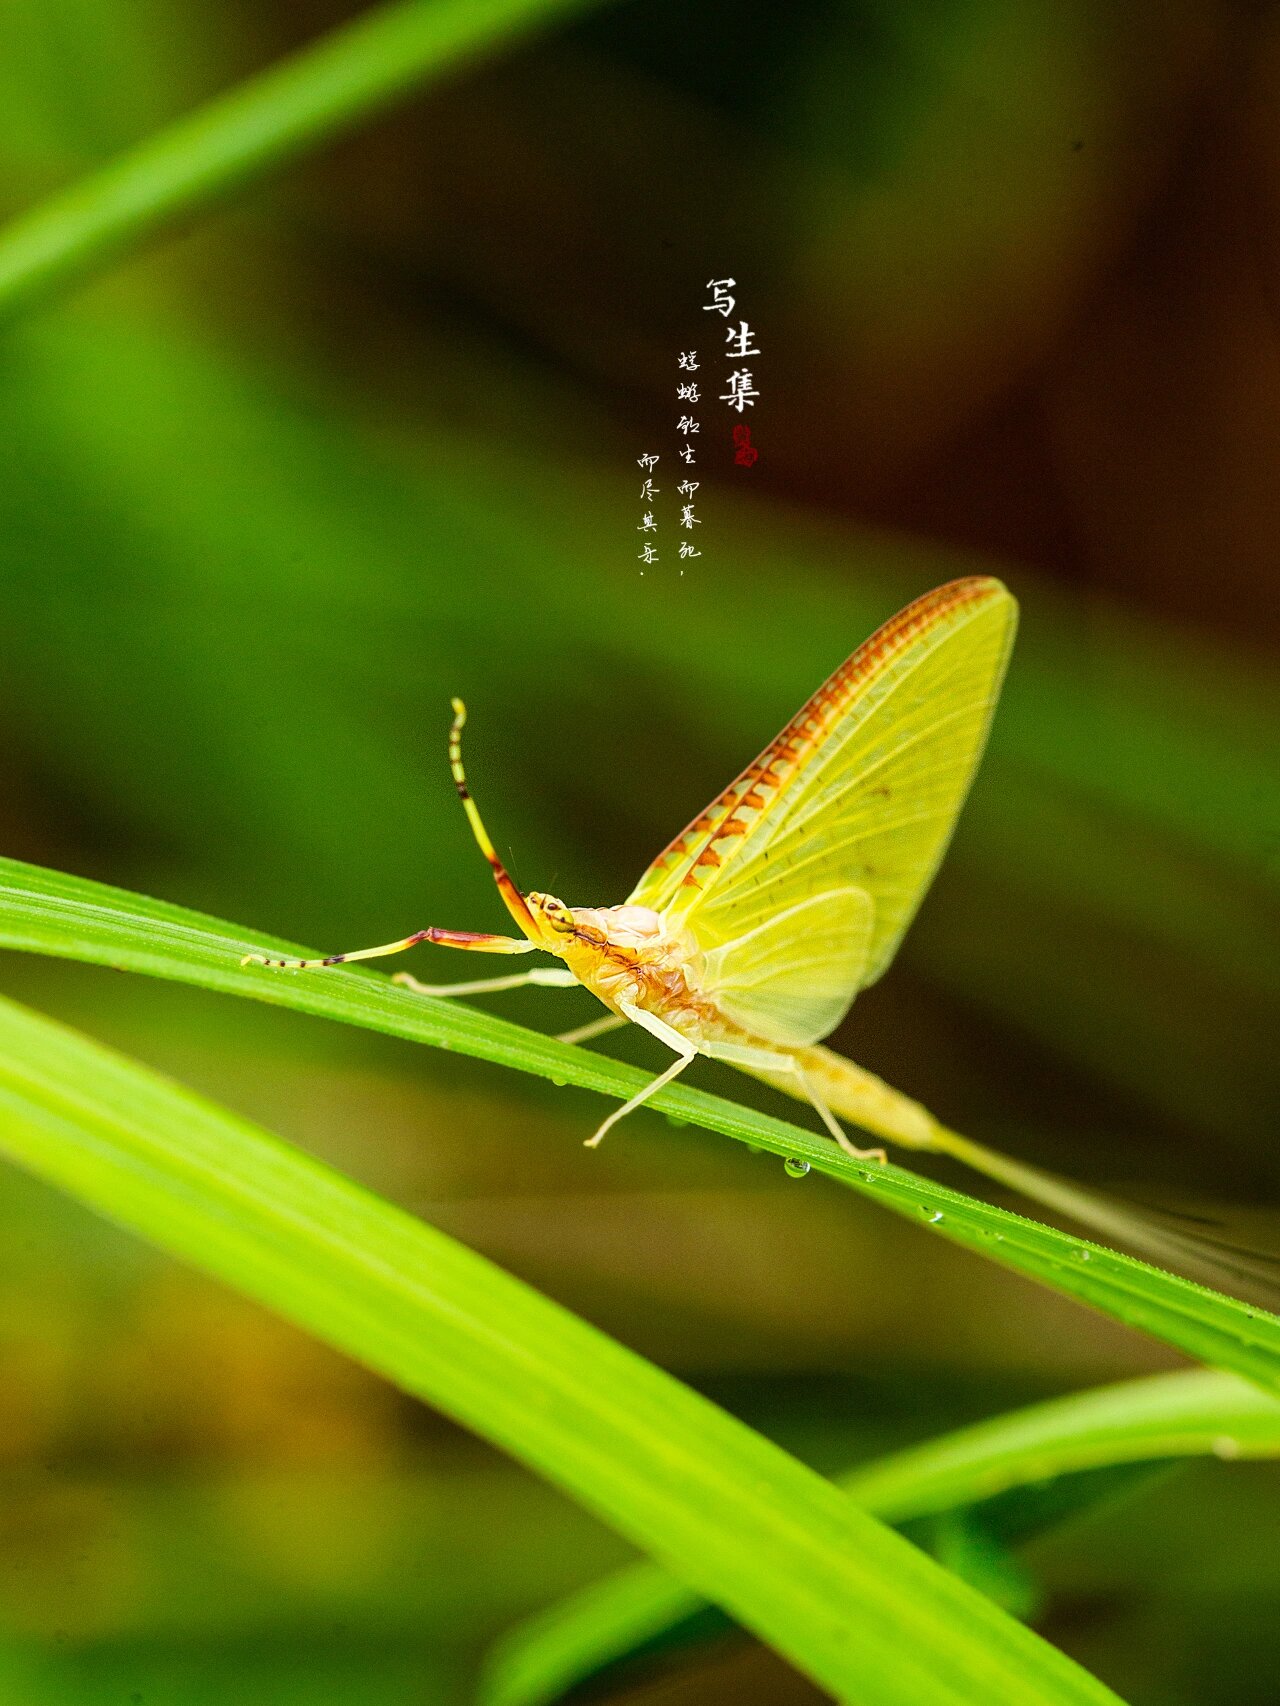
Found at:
<point>514,901</point>
<point>475,941</point>
<point>545,977</point>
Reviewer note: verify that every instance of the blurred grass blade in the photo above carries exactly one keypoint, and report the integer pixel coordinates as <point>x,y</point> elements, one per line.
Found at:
<point>1198,1413</point>
<point>53,913</point>
<point>317,92</point>
<point>854,1606</point>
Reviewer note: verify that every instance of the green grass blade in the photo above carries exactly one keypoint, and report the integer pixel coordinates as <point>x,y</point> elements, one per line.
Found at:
<point>53,913</point>
<point>788,1554</point>
<point>323,89</point>
<point>1198,1413</point>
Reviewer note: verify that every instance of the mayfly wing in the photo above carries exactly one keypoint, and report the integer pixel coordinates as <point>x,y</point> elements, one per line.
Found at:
<point>861,790</point>
<point>788,979</point>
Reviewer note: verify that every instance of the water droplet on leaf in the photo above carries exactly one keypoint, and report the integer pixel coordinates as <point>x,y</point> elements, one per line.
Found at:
<point>794,1167</point>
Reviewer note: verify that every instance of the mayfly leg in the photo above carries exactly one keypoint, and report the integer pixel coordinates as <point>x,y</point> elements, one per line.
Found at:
<point>514,901</point>
<point>685,1052</point>
<point>772,1065</point>
<point>834,1127</point>
<point>475,941</point>
<point>546,977</point>
<point>664,1078</point>
<point>596,1028</point>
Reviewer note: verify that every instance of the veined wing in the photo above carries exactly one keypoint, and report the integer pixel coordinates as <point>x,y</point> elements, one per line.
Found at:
<point>860,790</point>
<point>791,979</point>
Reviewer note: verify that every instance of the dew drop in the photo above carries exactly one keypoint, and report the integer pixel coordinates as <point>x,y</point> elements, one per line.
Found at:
<point>794,1167</point>
<point>1226,1448</point>
<point>935,1217</point>
<point>1081,1255</point>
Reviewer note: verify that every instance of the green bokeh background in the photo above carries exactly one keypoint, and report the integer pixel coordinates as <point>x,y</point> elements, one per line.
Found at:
<point>366,437</point>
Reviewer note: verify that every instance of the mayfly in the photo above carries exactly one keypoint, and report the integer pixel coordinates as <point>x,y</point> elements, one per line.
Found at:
<point>748,937</point>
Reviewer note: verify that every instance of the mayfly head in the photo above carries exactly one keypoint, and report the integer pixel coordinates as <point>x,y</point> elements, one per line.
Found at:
<point>554,919</point>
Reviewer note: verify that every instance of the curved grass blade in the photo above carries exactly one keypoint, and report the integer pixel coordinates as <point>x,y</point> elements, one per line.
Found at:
<point>50,912</point>
<point>325,88</point>
<point>853,1605</point>
<point>615,1620</point>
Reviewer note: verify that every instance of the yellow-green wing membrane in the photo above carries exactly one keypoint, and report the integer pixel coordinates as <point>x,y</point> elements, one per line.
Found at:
<point>860,791</point>
<point>791,979</point>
